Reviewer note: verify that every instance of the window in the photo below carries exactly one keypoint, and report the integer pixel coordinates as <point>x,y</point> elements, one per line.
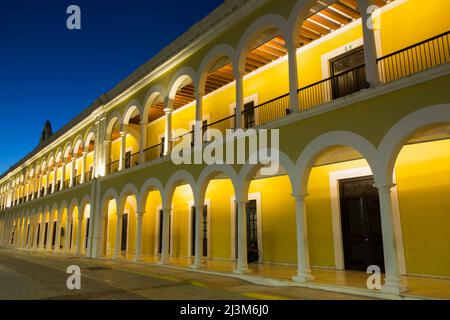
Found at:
<point>249,115</point>
<point>128,160</point>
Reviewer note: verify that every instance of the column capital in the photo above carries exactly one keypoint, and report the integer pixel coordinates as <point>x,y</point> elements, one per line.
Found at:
<point>167,210</point>
<point>300,197</point>
<point>123,134</point>
<point>168,111</point>
<point>238,202</point>
<point>85,153</point>
<point>140,214</point>
<point>106,142</point>
<point>362,5</point>
<point>386,187</point>
<point>143,122</point>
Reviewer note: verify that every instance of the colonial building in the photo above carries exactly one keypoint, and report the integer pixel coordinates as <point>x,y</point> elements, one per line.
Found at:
<point>359,91</point>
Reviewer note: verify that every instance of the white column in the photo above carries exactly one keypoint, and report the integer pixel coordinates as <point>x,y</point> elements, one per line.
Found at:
<point>168,131</point>
<point>198,237</point>
<point>118,236</point>
<point>106,154</point>
<point>68,235</point>
<point>55,173</point>
<point>79,234</point>
<point>35,236</point>
<point>83,168</point>
<point>239,98</point>
<point>58,234</point>
<point>304,270</point>
<point>393,283</point>
<point>47,181</point>
<point>123,144</point>
<point>39,185</point>
<point>242,264</point>
<point>198,119</point>
<point>370,49</point>
<point>166,236</point>
<point>294,105</point>
<point>139,220</point>
<point>72,172</point>
<point>49,233</point>
<point>143,141</point>
<point>63,174</point>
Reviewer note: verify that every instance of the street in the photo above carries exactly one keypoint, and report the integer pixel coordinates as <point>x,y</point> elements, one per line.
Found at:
<point>26,276</point>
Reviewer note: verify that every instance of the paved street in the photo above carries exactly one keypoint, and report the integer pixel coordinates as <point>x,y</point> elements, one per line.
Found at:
<point>28,276</point>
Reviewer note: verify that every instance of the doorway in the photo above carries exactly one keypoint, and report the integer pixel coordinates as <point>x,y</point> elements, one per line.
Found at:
<point>361,224</point>
<point>160,232</point>
<point>204,231</point>
<point>252,231</point>
<point>348,73</point>
<point>123,246</point>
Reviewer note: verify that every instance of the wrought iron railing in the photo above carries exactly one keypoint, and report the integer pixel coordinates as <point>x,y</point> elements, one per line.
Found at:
<point>154,152</point>
<point>269,111</point>
<point>416,58</point>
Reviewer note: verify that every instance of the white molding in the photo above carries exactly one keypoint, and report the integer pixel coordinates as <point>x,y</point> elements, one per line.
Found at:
<point>251,196</point>
<point>251,98</point>
<point>334,178</point>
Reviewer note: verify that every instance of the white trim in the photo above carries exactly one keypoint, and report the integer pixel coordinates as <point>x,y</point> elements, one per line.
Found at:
<point>251,196</point>
<point>334,178</point>
<point>191,205</point>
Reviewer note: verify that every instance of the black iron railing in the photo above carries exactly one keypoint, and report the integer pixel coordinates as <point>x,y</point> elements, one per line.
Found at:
<point>113,167</point>
<point>154,152</point>
<point>416,58</point>
<point>268,111</point>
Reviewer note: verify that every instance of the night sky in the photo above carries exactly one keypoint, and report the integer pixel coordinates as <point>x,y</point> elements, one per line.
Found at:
<point>50,72</point>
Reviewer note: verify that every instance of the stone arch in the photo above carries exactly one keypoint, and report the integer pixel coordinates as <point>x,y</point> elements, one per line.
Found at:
<point>262,24</point>
<point>330,139</point>
<point>180,78</point>
<point>397,136</point>
<point>219,51</point>
<point>175,179</point>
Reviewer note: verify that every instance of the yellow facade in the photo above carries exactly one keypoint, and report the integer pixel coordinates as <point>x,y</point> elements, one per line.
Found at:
<point>391,117</point>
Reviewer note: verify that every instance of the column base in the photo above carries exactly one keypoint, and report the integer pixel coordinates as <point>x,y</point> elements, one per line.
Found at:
<point>164,261</point>
<point>198,265</point>
<point>394,287</point>
<point>303,277</point>
<point>242,270</point>
<point>137,259</point>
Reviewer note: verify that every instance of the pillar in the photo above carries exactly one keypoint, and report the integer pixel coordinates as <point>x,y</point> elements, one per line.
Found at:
<point>239,99</point>
<point>168,131</point>
<point>55,171</point>
<point>304,270</point>
<point>83,168</point>
<point>72,172</point>
<point>139,220</point>
<point>118,236</point>
<point>242,264</point>
<point>63,174</point>
<point>166,236</point>
<point>198,237</point>
<point>79,234</point>
<point>393,283</point>
<point>123,144</point>
<point>370,49</point>
<point>294,105</point>
<point>143,141</point>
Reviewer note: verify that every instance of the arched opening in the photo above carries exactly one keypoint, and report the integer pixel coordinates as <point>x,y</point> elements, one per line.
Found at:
<point>263,101</point>
<point>109,226</point>
<point>217,72</point>
<point>73,228</point>
<point>422,178</point>
<point>182,94</point>
<point>218,233</point>
<point>152,223</point>
<point>114,136</point>
<point>62,229</point>
<point>132,127</point>
<point>83,227</point>
<point>86,164</point>
<point>154,114</point>
<point>343,216</point>
<point>127,226</point>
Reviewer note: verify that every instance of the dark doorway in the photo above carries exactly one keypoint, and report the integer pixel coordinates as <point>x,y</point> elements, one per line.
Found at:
<point>71,232</point>
<point>249,115</point>
<point>348,72</point>
<point>123,246</point>
<point>361,224</point>
<point>54,234</point>
<point>45,234</point>
<point>62,238</point>
<point>204,231</point>
<point>128,160</point>
<point>252,232</point>
<point>86,241</point>
<point>13,233</point>
<point>38,234</point>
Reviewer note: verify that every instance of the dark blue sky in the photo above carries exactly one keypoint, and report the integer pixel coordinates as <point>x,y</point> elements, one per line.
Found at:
<point>49,72</point>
